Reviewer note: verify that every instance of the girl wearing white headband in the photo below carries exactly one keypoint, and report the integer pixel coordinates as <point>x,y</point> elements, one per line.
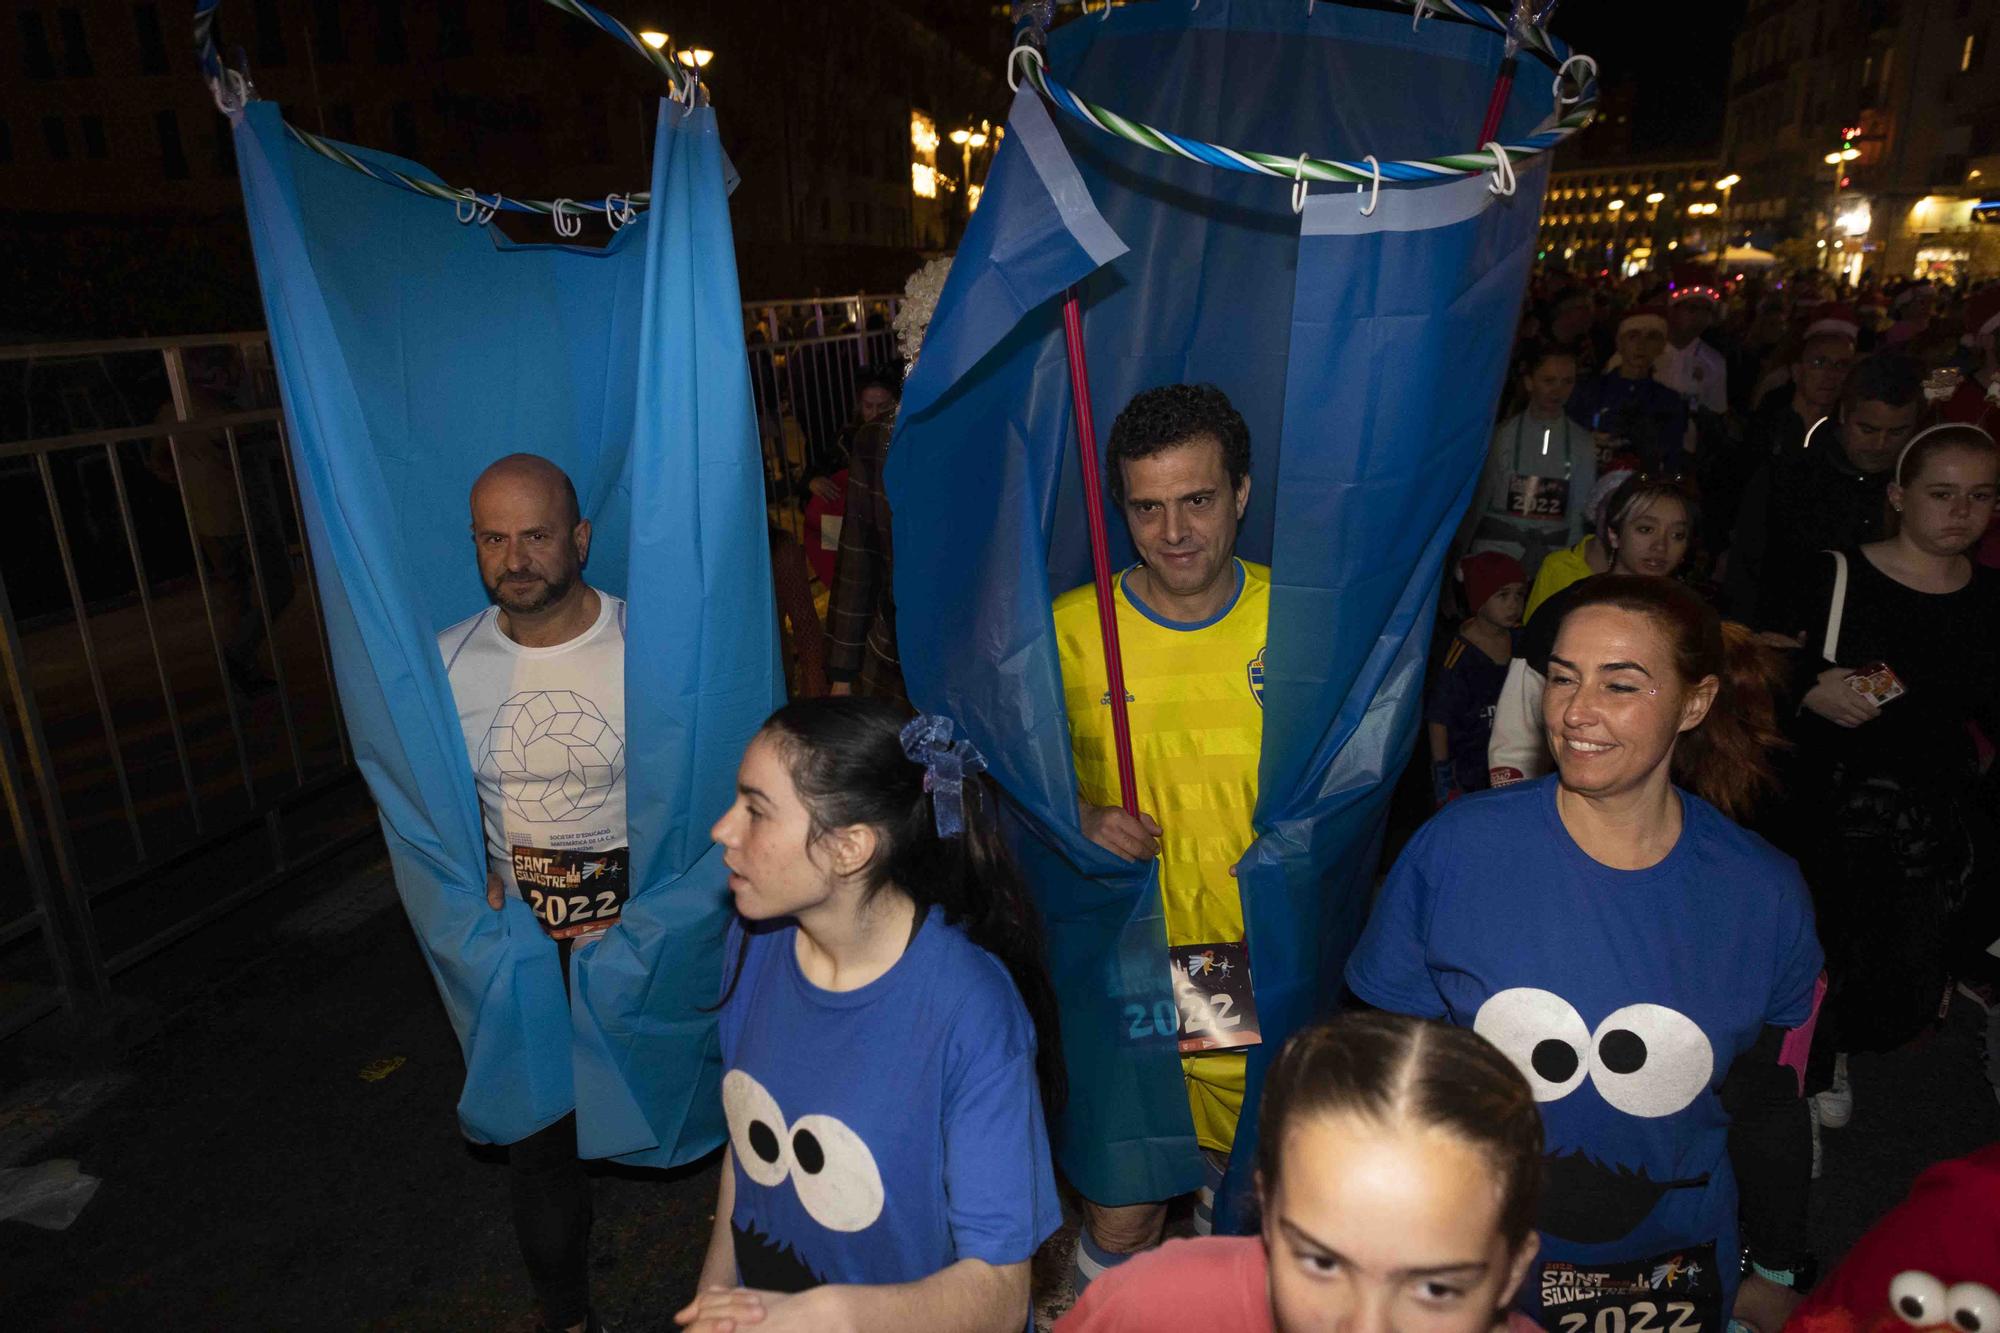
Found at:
<point>1902,654</point>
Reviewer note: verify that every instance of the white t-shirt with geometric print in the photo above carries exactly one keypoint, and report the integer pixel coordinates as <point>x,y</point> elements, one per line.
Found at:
<point>545,731</point>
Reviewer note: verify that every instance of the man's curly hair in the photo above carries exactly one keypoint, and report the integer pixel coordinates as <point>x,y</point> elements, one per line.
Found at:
<point>1172,414</point>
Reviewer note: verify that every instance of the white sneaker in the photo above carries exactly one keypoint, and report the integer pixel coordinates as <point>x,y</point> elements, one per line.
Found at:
<point>1835,1107</point>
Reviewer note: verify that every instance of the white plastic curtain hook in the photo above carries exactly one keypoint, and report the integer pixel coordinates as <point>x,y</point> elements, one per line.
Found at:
<point>1299,185</point>
<point>231,91</point>
<point>1375,193</point>
<point>568,221</point>
<point>1013,71</point>
<point>472,208</point>
<point>618,211</point>
<point>1503,169</point>
<point>1310,5</point>
<point>1563,73</point>
<point>1423,11</point>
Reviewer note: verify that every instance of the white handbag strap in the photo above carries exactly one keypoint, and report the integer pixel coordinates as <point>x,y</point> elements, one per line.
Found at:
<point>1830,646</point>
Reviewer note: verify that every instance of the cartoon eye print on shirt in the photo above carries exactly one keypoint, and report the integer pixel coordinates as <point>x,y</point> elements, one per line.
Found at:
<point>1922,1301</point>
<point>1646,1060</point>
<point>829,1165</point>
<point>1541,1034</point>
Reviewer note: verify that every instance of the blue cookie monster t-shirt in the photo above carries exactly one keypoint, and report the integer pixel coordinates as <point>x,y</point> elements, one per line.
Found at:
<point>1623,996</point>
<point>882,1134</point>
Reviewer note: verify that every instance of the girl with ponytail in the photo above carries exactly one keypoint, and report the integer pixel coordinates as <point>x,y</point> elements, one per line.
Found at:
<point>889,1041</point>
<point>1612,931</point>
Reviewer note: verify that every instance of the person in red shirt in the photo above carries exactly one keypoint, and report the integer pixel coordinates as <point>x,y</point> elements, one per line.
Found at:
<point>1399,1168</point>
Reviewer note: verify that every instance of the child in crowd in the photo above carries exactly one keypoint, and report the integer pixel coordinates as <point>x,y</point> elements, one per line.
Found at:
<point>1539,470</point>
<point>1459,712</point>
<point>1399,1164</point>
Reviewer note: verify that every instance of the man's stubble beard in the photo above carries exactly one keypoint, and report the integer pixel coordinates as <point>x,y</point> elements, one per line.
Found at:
<point>553,590</point>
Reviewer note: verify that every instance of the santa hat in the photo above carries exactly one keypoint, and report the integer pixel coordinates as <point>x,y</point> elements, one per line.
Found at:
<point>1982,313</point>
<point>1487,572</point>
<point>1833,317</point>
<point>1644,317</point>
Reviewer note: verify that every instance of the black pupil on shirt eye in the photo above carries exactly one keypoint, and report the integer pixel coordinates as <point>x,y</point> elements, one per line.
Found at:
<point>1623,1051</point>
<point>1911,1307</point>
<point>1966,1320</point>
<point>1554,1060</point>
<point>763,1141</point>
<point>807,1152</point>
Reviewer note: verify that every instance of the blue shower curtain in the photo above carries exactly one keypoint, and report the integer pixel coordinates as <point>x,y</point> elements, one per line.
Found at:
<point>411,351</point>
<point>1366,353</point>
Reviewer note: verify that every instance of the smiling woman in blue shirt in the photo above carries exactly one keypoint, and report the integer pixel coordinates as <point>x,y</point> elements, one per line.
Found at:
<point>1611,930</point>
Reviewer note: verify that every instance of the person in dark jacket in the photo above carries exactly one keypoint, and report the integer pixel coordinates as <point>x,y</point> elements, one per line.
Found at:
<point>1777,429</point>
<point>1829,494</point>
<point>1626,409</point>
<point>861,614</point>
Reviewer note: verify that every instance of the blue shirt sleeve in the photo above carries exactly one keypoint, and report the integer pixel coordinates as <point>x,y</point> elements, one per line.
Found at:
<point>1388,967</point>
<point>998,1179</point>
<point>1799,957</point>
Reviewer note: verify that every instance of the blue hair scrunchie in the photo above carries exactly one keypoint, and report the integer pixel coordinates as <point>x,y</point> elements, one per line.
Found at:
<point>927,741</point>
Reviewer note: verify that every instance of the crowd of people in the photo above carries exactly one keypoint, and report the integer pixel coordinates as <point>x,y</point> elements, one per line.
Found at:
<point>1725,638</point>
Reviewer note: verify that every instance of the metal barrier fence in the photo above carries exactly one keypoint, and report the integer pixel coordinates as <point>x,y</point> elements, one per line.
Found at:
<point>174,742</point>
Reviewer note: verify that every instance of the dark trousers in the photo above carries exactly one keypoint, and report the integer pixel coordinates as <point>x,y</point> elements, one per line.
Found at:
<point>551,1198</point>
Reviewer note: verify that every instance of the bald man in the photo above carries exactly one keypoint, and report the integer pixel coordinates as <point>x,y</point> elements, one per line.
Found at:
<point>539,679</point>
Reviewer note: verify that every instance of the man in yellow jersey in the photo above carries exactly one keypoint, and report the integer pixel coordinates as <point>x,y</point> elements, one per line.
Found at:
<point>1191,627</point>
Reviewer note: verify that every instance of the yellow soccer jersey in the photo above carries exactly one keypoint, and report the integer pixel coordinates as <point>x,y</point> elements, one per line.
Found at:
<point>1195,695</point>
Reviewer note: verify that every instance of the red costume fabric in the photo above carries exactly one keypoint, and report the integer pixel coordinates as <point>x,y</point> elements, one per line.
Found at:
<point>1930,1265</point>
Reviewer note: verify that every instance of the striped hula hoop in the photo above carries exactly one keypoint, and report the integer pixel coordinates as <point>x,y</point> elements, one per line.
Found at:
<point>231,90</point>
<point>1573,113</point>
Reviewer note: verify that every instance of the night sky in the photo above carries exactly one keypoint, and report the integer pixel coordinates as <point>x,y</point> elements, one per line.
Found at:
<point>1677,56</point>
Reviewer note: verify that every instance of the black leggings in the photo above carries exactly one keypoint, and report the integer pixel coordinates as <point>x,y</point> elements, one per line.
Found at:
<point>551,1197</point>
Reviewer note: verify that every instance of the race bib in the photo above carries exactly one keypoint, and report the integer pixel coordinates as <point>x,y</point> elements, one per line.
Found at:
<point>1218,1012</point>
<point>573,892</point>
<point>1543,498</point>
<point>1676,1292</point>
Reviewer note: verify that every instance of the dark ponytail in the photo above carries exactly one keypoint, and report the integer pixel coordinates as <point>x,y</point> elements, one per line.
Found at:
<point>1726,760</point>
<point>846,760</point>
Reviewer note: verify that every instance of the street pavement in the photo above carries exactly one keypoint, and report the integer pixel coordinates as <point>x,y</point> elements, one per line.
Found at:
<point>275,1136</point>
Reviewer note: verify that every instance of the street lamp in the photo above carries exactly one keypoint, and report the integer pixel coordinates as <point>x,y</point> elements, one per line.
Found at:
<point>968,139</point>
<point>1838,161</point>
<point>1727,184</point>
<point>696,57</point>
<point>1655,197</point>
<point>657,40</point>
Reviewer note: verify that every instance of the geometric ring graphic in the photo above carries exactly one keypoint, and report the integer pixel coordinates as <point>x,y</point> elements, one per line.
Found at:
<point>552,755</point>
